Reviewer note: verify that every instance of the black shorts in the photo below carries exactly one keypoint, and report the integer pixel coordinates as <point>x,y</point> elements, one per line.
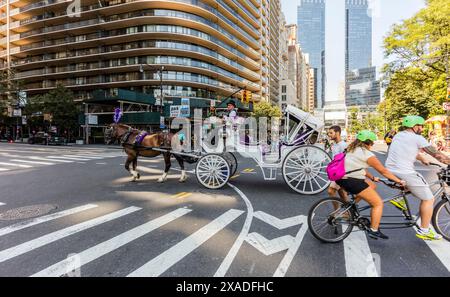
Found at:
<point>353,185</point>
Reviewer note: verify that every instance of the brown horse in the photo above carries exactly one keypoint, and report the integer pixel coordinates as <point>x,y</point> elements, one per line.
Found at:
<point>127,136</point>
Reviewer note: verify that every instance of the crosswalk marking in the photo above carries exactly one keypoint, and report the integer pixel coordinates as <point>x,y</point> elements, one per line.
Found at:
<point>68,158</point>
<point>1,203</point>
<point>83,157</point>
<point>167,259</point>
<point>358,257</point>
<point>33,162</point>
<point>108,246</point>
<point>53,160</point>
<point>57,235</point>
<point>440,248</point>
<point>17,165</point>
<point>53,216</point>
<point>4,169</point>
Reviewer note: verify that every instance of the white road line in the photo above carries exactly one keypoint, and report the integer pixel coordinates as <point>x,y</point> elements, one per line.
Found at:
<point>47,159</point>
<point>358,257</point>
<point>164,261</point>
<point>280,224</point>
<point>33,162</point>
<point>440,248</point>
<point>4,169</point>
<point>226,263</point>
<point>35,221</point>
<point>68,158</point>
<point>1,203</point>
<point>83,157</point>
<point>54,236</point>
<point>292,251</point>
<point>110,245</point>
<point>17,165</point>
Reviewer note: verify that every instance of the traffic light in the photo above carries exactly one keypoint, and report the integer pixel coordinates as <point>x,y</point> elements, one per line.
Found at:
<point>246,96</point>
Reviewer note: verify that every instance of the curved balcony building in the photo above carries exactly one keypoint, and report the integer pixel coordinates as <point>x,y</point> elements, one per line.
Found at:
<point>209,48</point>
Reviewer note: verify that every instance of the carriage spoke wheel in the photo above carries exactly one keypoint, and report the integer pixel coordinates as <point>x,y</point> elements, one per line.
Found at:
<point>304,170</point>
<point>213,171</point>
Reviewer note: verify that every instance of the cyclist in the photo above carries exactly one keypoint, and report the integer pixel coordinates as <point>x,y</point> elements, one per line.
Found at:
<point>357,160</point>
<point>404,151</point>
<point>339,146</point>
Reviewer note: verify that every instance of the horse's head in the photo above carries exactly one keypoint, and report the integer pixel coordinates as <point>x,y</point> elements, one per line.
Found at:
<point>111,134</point>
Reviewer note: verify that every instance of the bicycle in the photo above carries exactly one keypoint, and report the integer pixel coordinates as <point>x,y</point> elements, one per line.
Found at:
<point>331,220</point>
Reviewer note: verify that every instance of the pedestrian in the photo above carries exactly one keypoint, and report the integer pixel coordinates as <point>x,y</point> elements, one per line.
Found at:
<point>338,146</point>
<point>389,137</point>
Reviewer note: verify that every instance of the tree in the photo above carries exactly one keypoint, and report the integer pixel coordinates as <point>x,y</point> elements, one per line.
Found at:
<point>355,124</point>
<point>265,109</point>
<point>60,105</point>
<point>419,73</point>
<point>10,91</point>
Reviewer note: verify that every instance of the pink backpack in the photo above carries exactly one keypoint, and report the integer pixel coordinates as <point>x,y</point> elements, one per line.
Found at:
<point>336,168</point>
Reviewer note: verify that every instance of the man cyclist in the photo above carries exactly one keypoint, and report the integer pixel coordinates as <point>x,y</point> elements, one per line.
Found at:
<point>404,151</point>
<point>339,146</point>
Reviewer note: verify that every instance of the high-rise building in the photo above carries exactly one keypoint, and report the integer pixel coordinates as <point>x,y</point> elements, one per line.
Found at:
<point>209,49</point>
<point>275,29</point>
<point>311,89</point>
<point>358,35</point>
<point>311,33</point>
<point>362,87</point>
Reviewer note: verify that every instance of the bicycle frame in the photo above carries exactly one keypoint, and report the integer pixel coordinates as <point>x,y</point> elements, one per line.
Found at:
<point>411,220</point>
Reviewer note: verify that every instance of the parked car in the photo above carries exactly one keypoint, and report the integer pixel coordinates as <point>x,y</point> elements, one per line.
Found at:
<point>39,138</point>
<point>56,139</point>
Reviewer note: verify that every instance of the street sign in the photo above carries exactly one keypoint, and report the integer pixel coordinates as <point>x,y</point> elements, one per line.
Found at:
<point>24,120</point>
<point>185,111</point>
<point>162,124</point>
<point>17,112</point>
<point>213,103</point>
<point>185,102</point>
<point>175,111</point>
<point>446,106</point>
<point>92,119</point>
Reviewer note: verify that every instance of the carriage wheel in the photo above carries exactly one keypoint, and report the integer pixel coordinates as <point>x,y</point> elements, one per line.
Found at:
<point>213,171</point>
<point>232,161</point>
<point>304,170</point>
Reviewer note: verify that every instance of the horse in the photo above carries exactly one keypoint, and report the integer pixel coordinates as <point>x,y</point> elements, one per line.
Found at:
<point>127,137</point>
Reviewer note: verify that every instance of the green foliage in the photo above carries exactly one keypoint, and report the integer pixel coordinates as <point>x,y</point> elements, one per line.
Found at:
<point>59,103</point>
<point>418,76</point>
<point>265,109</point>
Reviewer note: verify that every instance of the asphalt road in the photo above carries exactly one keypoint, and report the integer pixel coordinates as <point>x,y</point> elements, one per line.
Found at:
<point>73,211</point>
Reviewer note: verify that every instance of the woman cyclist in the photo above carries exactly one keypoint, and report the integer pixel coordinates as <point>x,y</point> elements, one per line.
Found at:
<point>357,160</point>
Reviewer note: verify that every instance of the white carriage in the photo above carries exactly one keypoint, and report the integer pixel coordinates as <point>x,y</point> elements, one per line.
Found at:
<point>302,163</point>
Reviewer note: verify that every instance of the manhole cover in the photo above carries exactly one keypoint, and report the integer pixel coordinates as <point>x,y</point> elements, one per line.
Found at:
<point>27,212</point>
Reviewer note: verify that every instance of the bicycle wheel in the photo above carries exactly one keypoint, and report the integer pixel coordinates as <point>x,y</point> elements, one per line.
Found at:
<point>330,220</point>
<point>441,218</point>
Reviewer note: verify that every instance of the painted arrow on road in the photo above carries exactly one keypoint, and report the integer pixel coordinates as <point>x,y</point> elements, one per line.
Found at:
<point>278,223</point>
<point>269,247</point>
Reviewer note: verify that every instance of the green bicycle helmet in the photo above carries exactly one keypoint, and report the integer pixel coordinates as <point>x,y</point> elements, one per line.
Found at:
<point>365,135</point>
<point>411,121</point>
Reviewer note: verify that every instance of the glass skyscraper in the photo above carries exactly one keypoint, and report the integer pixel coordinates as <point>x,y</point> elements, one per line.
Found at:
<point>311,33</point>
<point>358,35</point>
<point>362,88</point>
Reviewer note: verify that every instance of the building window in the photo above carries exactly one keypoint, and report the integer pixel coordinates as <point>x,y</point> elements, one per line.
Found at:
<point>283,98</point>
<point>283,89</point>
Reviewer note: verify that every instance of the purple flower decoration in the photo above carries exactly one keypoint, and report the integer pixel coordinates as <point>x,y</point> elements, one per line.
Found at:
<point>117,115</point>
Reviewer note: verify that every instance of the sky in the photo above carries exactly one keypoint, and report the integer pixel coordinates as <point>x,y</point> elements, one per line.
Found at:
<point>385,13</point>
